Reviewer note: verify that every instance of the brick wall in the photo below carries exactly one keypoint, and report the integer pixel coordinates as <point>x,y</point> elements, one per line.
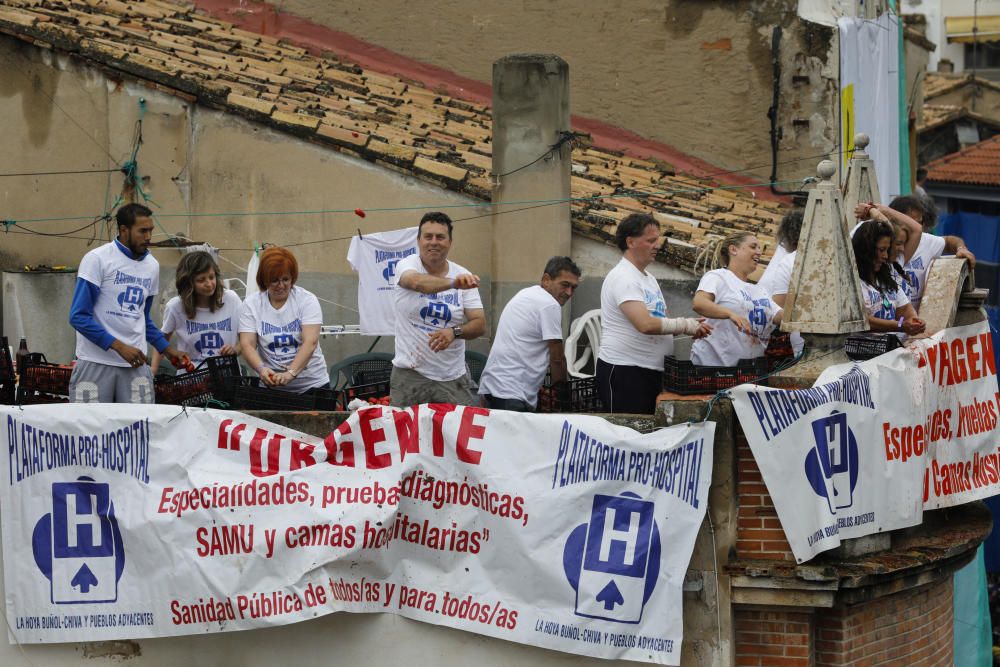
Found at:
<point>774,638</point>
<point>912,628</point>
<point>758,530</point>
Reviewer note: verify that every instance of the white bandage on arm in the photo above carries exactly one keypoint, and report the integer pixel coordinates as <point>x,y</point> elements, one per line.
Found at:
<point>679,325</point>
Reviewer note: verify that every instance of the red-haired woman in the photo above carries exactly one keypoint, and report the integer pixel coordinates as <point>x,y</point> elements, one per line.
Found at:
<point>279,327</point>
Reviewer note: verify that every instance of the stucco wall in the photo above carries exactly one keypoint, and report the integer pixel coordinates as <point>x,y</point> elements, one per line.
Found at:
<point>60,115</point>
<point>695,75</point>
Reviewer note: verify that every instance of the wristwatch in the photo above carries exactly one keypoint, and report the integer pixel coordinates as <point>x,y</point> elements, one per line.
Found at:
<point>457,331</point>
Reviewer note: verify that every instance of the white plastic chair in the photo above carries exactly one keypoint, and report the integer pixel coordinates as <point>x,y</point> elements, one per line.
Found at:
<point>589,325</point>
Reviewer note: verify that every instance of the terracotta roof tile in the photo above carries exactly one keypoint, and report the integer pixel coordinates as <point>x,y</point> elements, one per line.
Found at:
<point>393,122</point>
<point>936,115</point>
<point>978,164</point>
<point>936,84</point>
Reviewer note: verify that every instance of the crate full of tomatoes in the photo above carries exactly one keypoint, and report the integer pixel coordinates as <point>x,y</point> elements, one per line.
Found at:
<point>376,393</point>
<point>42,382</point>
<point>684,377</point>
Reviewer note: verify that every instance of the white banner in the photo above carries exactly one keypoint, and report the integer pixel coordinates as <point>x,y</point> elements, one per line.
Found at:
<point>559,531</point>
<point>869,94</point>
<point>872,445</point>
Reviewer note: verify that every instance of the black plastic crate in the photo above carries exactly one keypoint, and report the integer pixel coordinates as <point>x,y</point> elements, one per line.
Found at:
<point>222,374</point>
<point>249,395</point>
<point>572,395</point>
<point>194,388</point>
<point>370,371</point>
<point>40,377</point>
<point>868,345</point>
<point>684,377</point>
<point>366,392</point>
<point>7,379</point>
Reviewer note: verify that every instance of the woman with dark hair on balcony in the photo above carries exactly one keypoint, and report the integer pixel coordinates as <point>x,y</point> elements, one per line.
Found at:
<point>279,327</point>
<point>888,307</point>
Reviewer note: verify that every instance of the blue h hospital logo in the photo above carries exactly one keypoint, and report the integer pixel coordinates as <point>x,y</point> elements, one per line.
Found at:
<point>619,536</point>
<point>130,298</point>
<point>438,310</point>
<point>620,553</point>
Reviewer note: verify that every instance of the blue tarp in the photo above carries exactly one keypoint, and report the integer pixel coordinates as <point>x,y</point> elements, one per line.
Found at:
<point>980,232</point>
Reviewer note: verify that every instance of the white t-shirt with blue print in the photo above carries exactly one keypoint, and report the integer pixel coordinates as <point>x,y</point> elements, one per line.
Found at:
<point>125,285</point>
<point>884,304</point>
<point>208,332</point>
<point>726,345</point>
<point>279,334</point>
<point>621,343</point>
<point>930,248</point>
<point>418,315</point>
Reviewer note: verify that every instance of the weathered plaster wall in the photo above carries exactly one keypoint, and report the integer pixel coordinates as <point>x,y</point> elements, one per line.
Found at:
<point>692,74</point>
<point>62,115</point>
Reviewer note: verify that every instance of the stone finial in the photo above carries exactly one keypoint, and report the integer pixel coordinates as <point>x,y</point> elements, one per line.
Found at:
<point>824,296</point>
<point>861,184</point>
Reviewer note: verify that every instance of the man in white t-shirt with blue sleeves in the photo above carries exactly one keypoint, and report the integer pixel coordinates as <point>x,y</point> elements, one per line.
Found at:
<point>438,308</point>
<point>529,341</point>
<point>115,286</point>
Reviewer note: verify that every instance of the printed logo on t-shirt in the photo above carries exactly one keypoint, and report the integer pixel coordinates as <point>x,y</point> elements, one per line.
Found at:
<point>391,258</point>
<point>756,313</point>
<point>283,343</point>
<point>130,299</point>
<point>436,314</point>
<point>885,302</point>
<point>912,285</point>
<point>654,303</point>
<point>282,337</point>
<point>209,344</point>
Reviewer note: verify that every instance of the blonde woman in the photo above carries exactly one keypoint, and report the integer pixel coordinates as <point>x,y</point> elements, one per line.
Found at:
<point>742,314</point>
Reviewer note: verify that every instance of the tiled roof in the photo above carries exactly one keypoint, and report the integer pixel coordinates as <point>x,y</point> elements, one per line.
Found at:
<point>936,115</point>
<point>979,164</point>
<point>936,84</point>
<point>393,122</point>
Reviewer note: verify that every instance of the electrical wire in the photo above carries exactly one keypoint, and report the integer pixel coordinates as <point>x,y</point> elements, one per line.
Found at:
<point>61,173</point>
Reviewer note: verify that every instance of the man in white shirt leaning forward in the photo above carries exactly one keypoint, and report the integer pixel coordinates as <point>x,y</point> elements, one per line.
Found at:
<point>529,340</point>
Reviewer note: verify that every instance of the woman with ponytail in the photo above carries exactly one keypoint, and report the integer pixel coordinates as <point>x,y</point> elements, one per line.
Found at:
<point>741,313</point>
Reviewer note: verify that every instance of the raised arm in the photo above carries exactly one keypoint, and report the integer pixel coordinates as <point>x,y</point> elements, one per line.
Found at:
<point>428,284</point>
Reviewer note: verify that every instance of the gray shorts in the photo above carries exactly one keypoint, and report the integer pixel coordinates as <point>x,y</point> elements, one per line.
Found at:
<point>408,387</point>
<point>92,382</point>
